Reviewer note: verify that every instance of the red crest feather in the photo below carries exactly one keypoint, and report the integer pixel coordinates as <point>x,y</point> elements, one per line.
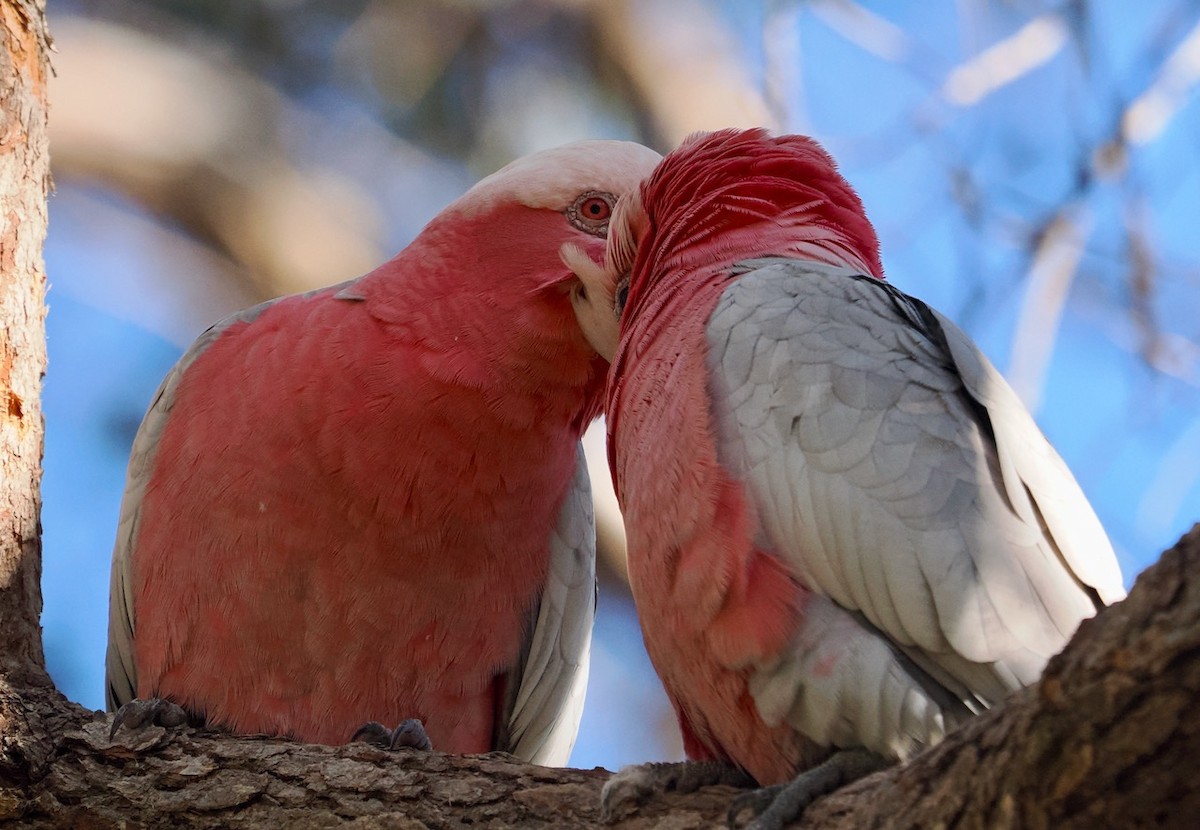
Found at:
<point>732,195</point>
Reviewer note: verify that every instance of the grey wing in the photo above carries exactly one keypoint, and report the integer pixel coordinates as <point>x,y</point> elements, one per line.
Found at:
<point>543,716</point>
<point>120,666</point>
<point>120,669</point>
<point>1037,481</point>
<point>898,474</point>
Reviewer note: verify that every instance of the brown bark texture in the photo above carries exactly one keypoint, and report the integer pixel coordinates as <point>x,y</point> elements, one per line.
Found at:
<point>25,746</point>
<point>24,183</point>
<point>1107,739</point>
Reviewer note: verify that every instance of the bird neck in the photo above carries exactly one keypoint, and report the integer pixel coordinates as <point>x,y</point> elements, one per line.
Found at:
<point>796,237</point>
<point>484,311</point>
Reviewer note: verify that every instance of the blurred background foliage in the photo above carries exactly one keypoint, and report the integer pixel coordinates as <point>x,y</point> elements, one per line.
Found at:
<point>1032,169</point>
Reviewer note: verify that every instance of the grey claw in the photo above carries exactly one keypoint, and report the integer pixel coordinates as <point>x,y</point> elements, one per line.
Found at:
<point>634,785</point>
<point>155,711</point>
<point>373,733</point>
<point>777,806</point>
<point>410,734</point>
<point>756,801</point>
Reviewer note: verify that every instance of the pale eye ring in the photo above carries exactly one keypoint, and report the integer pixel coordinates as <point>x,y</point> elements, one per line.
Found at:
<point>591,211</point>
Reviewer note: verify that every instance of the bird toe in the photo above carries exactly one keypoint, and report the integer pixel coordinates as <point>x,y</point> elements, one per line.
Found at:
<point>139,713</point>
<point>635,785</point>
<point>410,734</point>
<point>777,806</point>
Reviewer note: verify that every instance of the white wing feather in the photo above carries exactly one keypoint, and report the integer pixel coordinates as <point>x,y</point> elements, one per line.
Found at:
<point>545,714</point>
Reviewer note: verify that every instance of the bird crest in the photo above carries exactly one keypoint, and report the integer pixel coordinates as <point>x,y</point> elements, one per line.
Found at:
<point>730,195</point>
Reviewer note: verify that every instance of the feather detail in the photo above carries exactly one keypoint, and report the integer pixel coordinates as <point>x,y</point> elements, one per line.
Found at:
<point>367,502</point>
<point>843,528</point>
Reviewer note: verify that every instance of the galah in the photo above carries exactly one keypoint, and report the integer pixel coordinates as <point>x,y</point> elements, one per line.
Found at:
<point>368,503</point>
<point>845,532</point>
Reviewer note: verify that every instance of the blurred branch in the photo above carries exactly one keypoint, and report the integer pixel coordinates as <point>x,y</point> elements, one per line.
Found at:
<point>197,140</point>
<point>432,32</point>
<point>1165,496</point>
<point>1007,61</point>
<point>783,69</point>
<point>1062,239</point>
<point>1055,262</point>
<point>683,64</point>
<point>1151,111</point>
<point>1142,279</point>
<point>869,31</point>
<point>1175,356</point>
<point>183,287</point>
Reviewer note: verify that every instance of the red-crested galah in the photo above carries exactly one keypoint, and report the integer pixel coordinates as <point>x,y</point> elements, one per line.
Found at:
<point>369,502</point>
<point>844,529</point>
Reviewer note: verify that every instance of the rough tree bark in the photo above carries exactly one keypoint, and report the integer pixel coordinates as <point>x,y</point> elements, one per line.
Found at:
<point>24,182</point>
<point>1107,739</point>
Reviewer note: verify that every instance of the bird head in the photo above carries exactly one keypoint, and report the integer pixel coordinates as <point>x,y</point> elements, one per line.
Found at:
<point>541,204</point>
<point>601,289</point>
<point>718,199</point>
<point>493,254</point>
<point>483,288</point>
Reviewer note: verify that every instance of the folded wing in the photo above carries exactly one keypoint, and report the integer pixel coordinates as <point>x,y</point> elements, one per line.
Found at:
<point>897,474</point>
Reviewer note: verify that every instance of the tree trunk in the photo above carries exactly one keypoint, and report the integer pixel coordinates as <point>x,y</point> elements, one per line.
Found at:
<point>1108,738</point>
<point>24,181</point>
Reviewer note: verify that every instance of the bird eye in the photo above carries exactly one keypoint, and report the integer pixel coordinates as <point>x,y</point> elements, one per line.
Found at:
<point>591,211</point>
<point>621,296</point>
<point>596,209</point>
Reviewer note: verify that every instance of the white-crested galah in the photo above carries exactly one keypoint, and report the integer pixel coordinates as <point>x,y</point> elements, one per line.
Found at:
<point>845,531</point>
<point>369,502</point>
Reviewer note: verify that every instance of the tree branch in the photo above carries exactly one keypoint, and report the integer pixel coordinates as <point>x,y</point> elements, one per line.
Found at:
<point>1108,738</point>
<point>191,779</point>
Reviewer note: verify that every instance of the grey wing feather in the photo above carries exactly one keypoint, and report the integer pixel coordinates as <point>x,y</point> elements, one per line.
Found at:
<point>1033,471</point>
<point>120,667</point>
<point>544,714</point>
<point>899,475</point>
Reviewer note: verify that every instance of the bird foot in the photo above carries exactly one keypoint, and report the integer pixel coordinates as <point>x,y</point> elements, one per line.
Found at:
<point>634,785</point>
<point>154,711</point>
<point>776,806</point>
<point>410,734</point>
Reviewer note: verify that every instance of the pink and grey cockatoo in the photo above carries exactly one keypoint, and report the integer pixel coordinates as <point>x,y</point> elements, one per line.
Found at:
<point>844,529</point>
<point>369,502</point>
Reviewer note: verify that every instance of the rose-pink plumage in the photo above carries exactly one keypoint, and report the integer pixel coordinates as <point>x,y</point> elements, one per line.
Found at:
<point>368,502</point>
